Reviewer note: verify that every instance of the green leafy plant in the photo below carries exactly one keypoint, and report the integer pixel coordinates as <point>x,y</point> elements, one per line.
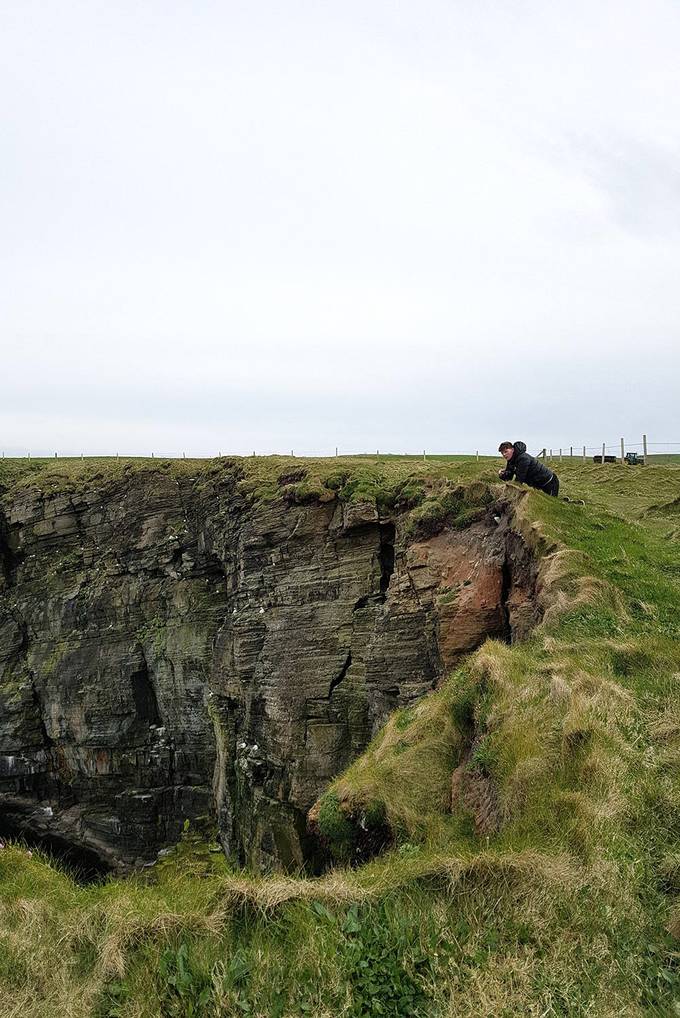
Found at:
<point>385,971</point>
<point>186,989</point>
<point>114,1000</point>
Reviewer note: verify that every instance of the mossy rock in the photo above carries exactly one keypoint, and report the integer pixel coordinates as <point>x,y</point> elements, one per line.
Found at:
<point>289,477</point>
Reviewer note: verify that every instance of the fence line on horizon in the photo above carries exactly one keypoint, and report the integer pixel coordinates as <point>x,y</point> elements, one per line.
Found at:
<point>619,450</point>
<point>604,452</point>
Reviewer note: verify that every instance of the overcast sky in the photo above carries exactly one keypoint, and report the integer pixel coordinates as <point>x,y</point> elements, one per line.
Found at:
<point>236,226</point>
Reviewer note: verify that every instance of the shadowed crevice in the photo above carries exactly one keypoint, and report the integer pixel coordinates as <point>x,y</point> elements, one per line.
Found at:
<point>40,715</point>
<point>386,556</point>
<point>506,590</point>
<point>5,554</point>
<point>335,682</point>
<point>83,864</point>
<point>144,696</point>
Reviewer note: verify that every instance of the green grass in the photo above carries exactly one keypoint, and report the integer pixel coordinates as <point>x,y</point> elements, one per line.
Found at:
<point>542,881</point>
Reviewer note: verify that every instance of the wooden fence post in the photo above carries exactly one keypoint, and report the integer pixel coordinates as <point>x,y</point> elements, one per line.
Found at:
<point>623,452</point>
<point>584,453</point>
<point>571,452</point>
<point>644,447</point>
<point>603,448</point>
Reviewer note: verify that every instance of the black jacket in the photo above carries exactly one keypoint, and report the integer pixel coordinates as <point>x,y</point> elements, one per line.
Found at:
<point>526,469</point>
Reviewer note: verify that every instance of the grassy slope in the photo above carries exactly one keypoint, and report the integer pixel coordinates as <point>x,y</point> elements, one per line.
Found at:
<point>569,908</point>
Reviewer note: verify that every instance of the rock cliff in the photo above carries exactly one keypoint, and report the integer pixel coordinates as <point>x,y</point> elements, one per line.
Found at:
<point>173,646</point>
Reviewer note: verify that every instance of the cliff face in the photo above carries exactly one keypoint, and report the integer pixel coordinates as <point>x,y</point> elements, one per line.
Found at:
<point>172,647</point>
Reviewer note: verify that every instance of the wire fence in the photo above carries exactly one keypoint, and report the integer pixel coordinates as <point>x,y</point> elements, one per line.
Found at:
<point>621,451</point>
<point>603,451</point>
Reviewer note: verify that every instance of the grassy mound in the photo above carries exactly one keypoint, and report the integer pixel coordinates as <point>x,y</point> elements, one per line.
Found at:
<point>529,810</point>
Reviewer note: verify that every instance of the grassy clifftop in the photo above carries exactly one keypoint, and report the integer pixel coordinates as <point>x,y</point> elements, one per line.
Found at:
<point>533,806</point>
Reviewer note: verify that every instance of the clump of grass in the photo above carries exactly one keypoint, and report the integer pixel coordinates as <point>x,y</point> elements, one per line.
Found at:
<point>405,774</point>
<point>335,827</point>
<point>454,506</point>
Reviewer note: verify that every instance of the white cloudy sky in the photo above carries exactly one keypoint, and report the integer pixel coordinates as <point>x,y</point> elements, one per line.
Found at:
<point>247,225</point>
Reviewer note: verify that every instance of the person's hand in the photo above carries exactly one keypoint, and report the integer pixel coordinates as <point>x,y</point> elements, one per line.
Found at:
<point>500,473</point>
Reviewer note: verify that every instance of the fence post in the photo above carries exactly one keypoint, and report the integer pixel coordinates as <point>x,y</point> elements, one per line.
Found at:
<point>623,452</point>
<point>603,448</point>
<point>551,454</point>
<point>644,447</point>
<point>478,455</point>
<point>423,455</point>
<point>544,452</point>
<point>336,450</point>
<point>571,452</point>
<point>560,455</point>
<point>584,453</point>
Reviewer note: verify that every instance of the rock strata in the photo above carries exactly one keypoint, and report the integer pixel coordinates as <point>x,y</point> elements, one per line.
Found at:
<point>173,647</point>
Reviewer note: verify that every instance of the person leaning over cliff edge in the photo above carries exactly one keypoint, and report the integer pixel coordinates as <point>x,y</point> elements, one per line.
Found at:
<point>527,469</point>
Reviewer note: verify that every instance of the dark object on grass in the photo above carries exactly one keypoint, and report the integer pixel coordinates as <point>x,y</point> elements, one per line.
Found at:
<point>607,459</point>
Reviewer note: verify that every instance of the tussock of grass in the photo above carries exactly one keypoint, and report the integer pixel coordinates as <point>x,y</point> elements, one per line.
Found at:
<point>408,767</point>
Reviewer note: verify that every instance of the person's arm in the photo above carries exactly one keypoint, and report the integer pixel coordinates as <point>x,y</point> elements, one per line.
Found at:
<point>521,468</point>
<point>508,473</point>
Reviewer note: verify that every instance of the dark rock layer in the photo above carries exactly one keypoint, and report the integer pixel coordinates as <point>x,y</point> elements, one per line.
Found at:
<point>170,648</point>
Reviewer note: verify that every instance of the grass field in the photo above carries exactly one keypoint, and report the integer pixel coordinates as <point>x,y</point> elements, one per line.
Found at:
<point>569,905</point>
